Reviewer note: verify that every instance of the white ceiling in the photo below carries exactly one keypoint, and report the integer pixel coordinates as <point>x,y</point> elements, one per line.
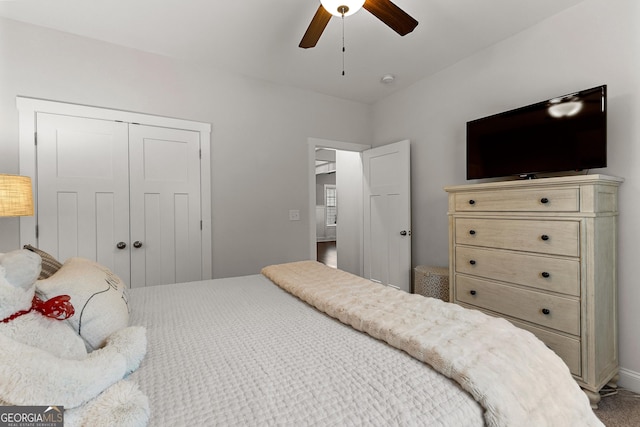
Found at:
<point>259,38</point>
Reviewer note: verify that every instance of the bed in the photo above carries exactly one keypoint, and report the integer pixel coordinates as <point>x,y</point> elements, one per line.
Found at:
<point>304,344</point>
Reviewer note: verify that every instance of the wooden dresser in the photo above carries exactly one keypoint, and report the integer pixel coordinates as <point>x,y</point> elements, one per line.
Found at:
<point>542,254</point>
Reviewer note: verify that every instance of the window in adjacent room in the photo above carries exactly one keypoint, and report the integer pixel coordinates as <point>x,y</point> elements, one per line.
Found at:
<point>331,205</point>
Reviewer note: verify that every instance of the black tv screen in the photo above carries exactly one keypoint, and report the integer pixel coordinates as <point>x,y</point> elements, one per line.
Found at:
<point>567,133</point>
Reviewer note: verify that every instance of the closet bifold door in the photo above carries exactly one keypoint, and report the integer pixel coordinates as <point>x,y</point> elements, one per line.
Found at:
<point>83,189</point>
<point>165,205</point>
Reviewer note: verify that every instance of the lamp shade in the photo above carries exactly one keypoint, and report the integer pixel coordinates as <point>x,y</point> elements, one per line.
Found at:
<point>15,195</point>
<point>333,6</point>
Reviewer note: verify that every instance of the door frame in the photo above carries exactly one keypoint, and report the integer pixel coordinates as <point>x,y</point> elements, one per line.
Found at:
<point>27,109</point>
<point>311,159</point>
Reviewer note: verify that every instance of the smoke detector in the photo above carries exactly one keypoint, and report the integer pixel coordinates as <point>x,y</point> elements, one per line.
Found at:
<point>387,78</point>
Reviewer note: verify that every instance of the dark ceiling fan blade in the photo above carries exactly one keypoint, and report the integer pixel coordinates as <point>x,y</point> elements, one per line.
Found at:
<point>316,27</point>
<point>399,20</point>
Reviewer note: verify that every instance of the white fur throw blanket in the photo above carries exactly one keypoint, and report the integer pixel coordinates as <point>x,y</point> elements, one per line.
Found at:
<point>512,374</point>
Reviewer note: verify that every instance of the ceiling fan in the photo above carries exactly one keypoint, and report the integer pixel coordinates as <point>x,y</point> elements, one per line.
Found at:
<point>396,18</point>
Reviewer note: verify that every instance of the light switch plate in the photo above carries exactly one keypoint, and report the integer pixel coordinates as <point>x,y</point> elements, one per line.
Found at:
<point>294,215</point>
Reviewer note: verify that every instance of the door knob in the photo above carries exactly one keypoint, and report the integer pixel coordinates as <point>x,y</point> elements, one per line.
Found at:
<point>137,244</point>
<point>404,233</point>
<point>121,245</point>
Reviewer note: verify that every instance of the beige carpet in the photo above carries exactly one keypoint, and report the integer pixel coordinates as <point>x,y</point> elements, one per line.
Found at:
<point>621,409</point>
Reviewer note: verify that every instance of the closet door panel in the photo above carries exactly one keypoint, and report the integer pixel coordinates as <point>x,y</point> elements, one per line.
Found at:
<point>83,189</point>
<point>165,205</point>
<point>67,225</point>
<point>157,262</point>
<point>106,236</point>
<point>184,266</point>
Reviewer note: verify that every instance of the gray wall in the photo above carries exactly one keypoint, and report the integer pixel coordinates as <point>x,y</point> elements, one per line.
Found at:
<point>595,42</point>
<point>259,138</point>
<point>349,183</point>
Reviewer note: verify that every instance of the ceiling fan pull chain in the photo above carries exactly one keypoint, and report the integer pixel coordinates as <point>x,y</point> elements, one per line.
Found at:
<point>343,50</point>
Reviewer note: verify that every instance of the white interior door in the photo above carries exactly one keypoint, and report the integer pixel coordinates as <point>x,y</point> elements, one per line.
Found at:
<point>166,235</point>
<point>387,215</point>
<point>83,189</point>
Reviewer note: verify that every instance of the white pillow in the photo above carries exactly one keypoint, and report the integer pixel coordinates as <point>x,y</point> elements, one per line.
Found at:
<point>98,296</point>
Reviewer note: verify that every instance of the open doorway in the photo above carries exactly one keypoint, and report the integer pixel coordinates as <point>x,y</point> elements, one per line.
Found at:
<point>326,207</point>
<point>346,230</point>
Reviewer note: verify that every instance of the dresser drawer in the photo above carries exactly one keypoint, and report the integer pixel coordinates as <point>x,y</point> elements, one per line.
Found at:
<point>534,200</point>
<point>563,313</point>
<point>567,348</point>
<point>552,274</point>
<point>542,236</point>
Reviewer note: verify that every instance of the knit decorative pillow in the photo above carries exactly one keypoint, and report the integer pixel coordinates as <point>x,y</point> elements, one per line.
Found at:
<point>49,264</point>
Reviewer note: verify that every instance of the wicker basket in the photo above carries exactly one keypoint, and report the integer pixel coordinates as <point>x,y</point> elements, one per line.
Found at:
<point>431,282</point>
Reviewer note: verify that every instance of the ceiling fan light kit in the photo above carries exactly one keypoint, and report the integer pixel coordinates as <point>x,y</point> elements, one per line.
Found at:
<point>340,7</point>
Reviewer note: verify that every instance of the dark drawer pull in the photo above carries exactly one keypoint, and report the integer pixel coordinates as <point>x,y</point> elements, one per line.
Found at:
<point>472,292</point>
<point>546,311</point>
<point>472,202</point>
<point>472,262</point>
<point>545,275</point>
<point>544,237</point>
<point>544,200</point>
<point>472,232</point>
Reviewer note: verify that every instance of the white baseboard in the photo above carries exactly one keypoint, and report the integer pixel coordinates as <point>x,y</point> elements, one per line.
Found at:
<point>629,380</point>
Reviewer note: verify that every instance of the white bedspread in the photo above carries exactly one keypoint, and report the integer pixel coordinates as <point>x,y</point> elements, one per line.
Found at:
<point>517,379</point>
<point>242,351</point>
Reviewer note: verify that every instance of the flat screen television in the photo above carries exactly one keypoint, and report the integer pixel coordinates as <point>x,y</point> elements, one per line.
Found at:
<point>566,133</point>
